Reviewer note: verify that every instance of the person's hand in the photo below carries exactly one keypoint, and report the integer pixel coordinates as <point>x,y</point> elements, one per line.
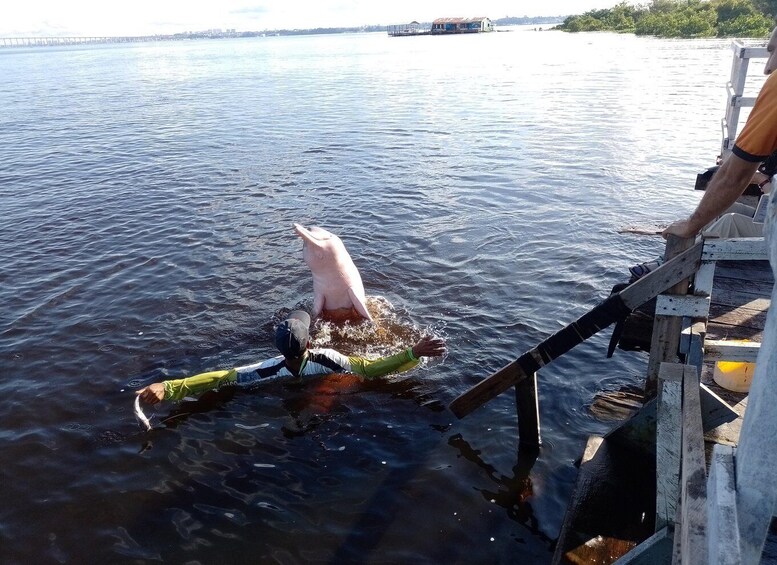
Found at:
<point>152,394</point>
<point>429,346</point>
<point>681,228</point>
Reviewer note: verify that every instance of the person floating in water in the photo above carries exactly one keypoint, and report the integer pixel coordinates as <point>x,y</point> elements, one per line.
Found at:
<point>297,360</point>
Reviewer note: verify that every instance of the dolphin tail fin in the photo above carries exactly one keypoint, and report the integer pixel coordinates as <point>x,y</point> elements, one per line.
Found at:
<point>360,304</point>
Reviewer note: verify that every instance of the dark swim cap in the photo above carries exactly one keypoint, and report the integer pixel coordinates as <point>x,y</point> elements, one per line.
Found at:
<point>291,335</point>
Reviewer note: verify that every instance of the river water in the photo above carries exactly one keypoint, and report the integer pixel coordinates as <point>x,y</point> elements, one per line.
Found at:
<point>479,182</point>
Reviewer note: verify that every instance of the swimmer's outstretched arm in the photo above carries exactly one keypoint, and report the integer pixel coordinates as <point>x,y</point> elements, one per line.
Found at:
<point>427,346</point>
<point>181,388</point>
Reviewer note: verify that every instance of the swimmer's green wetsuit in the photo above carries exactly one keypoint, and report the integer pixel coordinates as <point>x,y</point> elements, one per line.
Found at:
<point>316,362</point>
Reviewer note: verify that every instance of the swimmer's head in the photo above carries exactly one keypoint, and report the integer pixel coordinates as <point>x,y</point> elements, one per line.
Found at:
<point>292,335</point>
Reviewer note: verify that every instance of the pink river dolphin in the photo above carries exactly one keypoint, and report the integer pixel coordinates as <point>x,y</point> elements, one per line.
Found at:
<point>337,285</point>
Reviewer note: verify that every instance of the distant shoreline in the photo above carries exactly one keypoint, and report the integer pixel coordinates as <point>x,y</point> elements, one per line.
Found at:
<point>227,34</point>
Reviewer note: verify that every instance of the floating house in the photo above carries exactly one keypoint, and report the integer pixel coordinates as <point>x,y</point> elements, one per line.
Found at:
<point>442,26</point>
<point>404,30</point>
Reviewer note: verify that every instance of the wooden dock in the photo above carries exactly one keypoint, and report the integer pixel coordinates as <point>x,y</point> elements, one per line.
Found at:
<point>740,300</point>
<point>690,476</point>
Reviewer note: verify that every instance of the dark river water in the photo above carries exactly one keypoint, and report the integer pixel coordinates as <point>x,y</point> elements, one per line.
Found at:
<point>147,194</point>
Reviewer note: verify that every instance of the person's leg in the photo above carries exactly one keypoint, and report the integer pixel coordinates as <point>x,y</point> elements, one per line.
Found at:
<point>739,208</point>
<point>734,225</point>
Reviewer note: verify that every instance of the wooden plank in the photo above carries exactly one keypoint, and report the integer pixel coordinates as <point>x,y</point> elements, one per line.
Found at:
<point>692,342</point>
<point>666,329</point>
<point>725,331</point>
<point>748,299</point>
<point>702,281</point>
<point>723,350</point>
<point>528,410</point>
<point>668,443</point>
<point>693,497</point>
<point>669,274</point>
<point>656,550</point>
<point>749,271</point>
<point>735,249</point>
<point>744,317</point>
<point>722,525</point>
<point>676,540</point>
<point>689,306</point>
<point>634,295</point>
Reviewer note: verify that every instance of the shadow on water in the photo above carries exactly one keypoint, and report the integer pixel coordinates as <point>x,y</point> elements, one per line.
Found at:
<point>310,407</point>
<point>384,507</point>
<point>513,492</point>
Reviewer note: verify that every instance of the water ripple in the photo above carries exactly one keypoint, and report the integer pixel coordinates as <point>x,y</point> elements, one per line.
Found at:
<point>148,193</point>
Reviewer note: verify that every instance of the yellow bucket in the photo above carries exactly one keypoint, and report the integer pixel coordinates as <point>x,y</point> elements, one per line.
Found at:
<point>734,375</point>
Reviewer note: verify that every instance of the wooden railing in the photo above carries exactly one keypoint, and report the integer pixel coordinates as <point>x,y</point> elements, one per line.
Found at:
<point>736,89</point>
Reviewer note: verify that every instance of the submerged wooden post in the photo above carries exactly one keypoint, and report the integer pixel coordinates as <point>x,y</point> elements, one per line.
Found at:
<point>528,408</point>
<point>666,329</point>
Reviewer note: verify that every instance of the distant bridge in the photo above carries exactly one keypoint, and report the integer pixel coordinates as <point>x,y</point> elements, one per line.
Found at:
<point>53,41</point>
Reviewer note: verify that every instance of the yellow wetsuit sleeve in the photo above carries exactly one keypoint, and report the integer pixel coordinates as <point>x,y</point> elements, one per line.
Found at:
<point>373,368</point>
<point>181,388</point>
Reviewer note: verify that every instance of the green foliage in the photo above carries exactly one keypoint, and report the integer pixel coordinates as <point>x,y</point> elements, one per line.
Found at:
<point>585,22</point>
<point>766,7</point>
<point>681,18</point>
<point>755,25</point>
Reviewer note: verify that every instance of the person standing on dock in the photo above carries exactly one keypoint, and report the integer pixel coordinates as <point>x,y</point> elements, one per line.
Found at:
<point>755,461</point>
<point>753,145</point>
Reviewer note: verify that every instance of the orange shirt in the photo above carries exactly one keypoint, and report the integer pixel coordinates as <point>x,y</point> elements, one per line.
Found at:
<point>758,138</point>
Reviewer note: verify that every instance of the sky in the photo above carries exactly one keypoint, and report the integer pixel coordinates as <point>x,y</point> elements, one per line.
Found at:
<point>36,18</point>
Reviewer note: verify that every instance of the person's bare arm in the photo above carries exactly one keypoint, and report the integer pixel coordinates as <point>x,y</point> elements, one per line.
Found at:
<point>729,182</point>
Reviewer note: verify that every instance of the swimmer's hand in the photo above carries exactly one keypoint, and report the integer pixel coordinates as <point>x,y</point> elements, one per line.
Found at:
<point>429,346</point>
<point>152,394</point>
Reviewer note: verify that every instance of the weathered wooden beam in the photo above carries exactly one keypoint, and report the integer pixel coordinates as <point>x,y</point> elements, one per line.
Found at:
<point>702,280</point>
<point>692,342</point>
<point>737,249</point>
<point>722,350</point>
<point>722,524</point>
<point>690,306</point>
<point>693,496</point>
<point>668,443</point>
<point>665,339</point>
<point>598,318</point>
<point>669,274</point>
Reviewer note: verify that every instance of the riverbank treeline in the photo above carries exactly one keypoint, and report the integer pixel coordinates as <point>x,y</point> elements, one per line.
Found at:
<point>681,18</point>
